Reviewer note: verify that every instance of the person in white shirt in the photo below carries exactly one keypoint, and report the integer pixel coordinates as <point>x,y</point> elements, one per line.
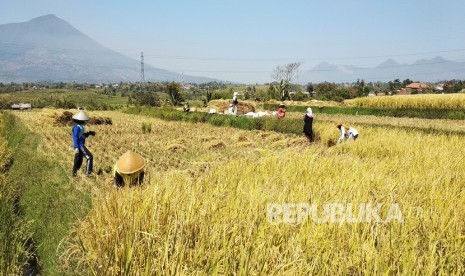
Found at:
<point>231,110</point>
<point>235,102</point>
<point>352,133</point>
<point>348,132</point>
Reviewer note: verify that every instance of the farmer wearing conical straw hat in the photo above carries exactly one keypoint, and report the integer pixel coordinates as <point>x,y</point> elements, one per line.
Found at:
<point>129,169</point>
<point>79,143</point>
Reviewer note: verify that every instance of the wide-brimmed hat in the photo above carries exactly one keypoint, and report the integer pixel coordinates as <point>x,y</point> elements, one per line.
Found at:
<point>130,162</point>
<point>81,116</point>
<point>282,105</point>
<point>235,93</point>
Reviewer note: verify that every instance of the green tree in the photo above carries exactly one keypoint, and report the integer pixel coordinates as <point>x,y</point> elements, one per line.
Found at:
<point>174,92</point>
<point>325,87</point>
<point>272,92</point>
<point>283,89</point>
<point>394,85</point>
<point>361,89</point>
<point>407,82</point>
<point>208,97</point>
<point>145,98</point>
<point>310,87</point>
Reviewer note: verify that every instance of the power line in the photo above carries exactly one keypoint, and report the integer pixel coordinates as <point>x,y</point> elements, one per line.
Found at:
<point>203,58</point>
<point>142,67</point>
<point>142,73</point>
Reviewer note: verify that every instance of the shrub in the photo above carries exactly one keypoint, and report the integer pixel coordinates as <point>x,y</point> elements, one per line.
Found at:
<point>146,127</point>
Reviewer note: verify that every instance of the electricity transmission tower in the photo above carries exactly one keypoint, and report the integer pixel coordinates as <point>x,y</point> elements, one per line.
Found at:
<point>142,73</point>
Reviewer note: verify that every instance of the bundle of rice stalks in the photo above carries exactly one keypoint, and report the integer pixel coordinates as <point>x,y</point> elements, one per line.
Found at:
<point>216,144</point>
<point>100,121</point>
<point>66,119</point>
<point>176,148</point>
<point>241,137</point>
<point>243,107</point>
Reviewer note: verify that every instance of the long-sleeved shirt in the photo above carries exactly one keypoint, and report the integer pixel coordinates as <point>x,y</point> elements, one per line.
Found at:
<point>343,133</point>
<point>308,124</point>
<point>79,139</point>
<point>352,133</point>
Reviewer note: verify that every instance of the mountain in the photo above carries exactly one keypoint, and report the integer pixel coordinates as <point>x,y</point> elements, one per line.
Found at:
<point>48,48</point>
<point>424,70</point>
<point>388,63</point>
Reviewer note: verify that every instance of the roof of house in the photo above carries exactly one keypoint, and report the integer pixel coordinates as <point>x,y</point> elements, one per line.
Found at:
<point>417,85</point>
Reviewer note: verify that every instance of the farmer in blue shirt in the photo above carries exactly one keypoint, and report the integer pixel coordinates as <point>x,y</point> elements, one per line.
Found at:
<point>79,141</point>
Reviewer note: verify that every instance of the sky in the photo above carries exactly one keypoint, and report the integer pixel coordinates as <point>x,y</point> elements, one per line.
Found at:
<point>245,40</point>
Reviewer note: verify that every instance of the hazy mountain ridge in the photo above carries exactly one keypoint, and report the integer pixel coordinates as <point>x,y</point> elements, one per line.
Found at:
<point>48,48</point>
<point>425,70</point>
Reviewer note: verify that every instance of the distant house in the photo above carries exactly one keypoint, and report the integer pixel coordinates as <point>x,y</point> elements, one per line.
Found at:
<point>186,86</point>
<point>417,86</point>
<point>413,88</point>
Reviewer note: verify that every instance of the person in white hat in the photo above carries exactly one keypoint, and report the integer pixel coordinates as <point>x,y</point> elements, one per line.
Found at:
<point>79,143</point>
<point>235,102</point>
<point>129,169</point>
<point>308,124</point>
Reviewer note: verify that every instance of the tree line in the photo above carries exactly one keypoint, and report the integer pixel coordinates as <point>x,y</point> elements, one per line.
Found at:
<point>174,93</point>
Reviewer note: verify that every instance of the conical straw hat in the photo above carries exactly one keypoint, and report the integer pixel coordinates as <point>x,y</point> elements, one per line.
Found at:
<point>130,162</point>
<point>81,116</point>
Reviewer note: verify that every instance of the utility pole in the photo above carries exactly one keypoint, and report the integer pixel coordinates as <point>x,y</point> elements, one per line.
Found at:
<point>142,73</point>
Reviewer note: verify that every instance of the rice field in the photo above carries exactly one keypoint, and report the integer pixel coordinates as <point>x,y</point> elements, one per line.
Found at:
<point>439,101</point>
<point>205,206</point>
<point>431,125</point>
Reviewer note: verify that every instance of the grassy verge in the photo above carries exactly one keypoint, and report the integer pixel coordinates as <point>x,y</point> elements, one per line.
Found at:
<point>46,199</point>
<point>426,113</point>
<point>13,229</point>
